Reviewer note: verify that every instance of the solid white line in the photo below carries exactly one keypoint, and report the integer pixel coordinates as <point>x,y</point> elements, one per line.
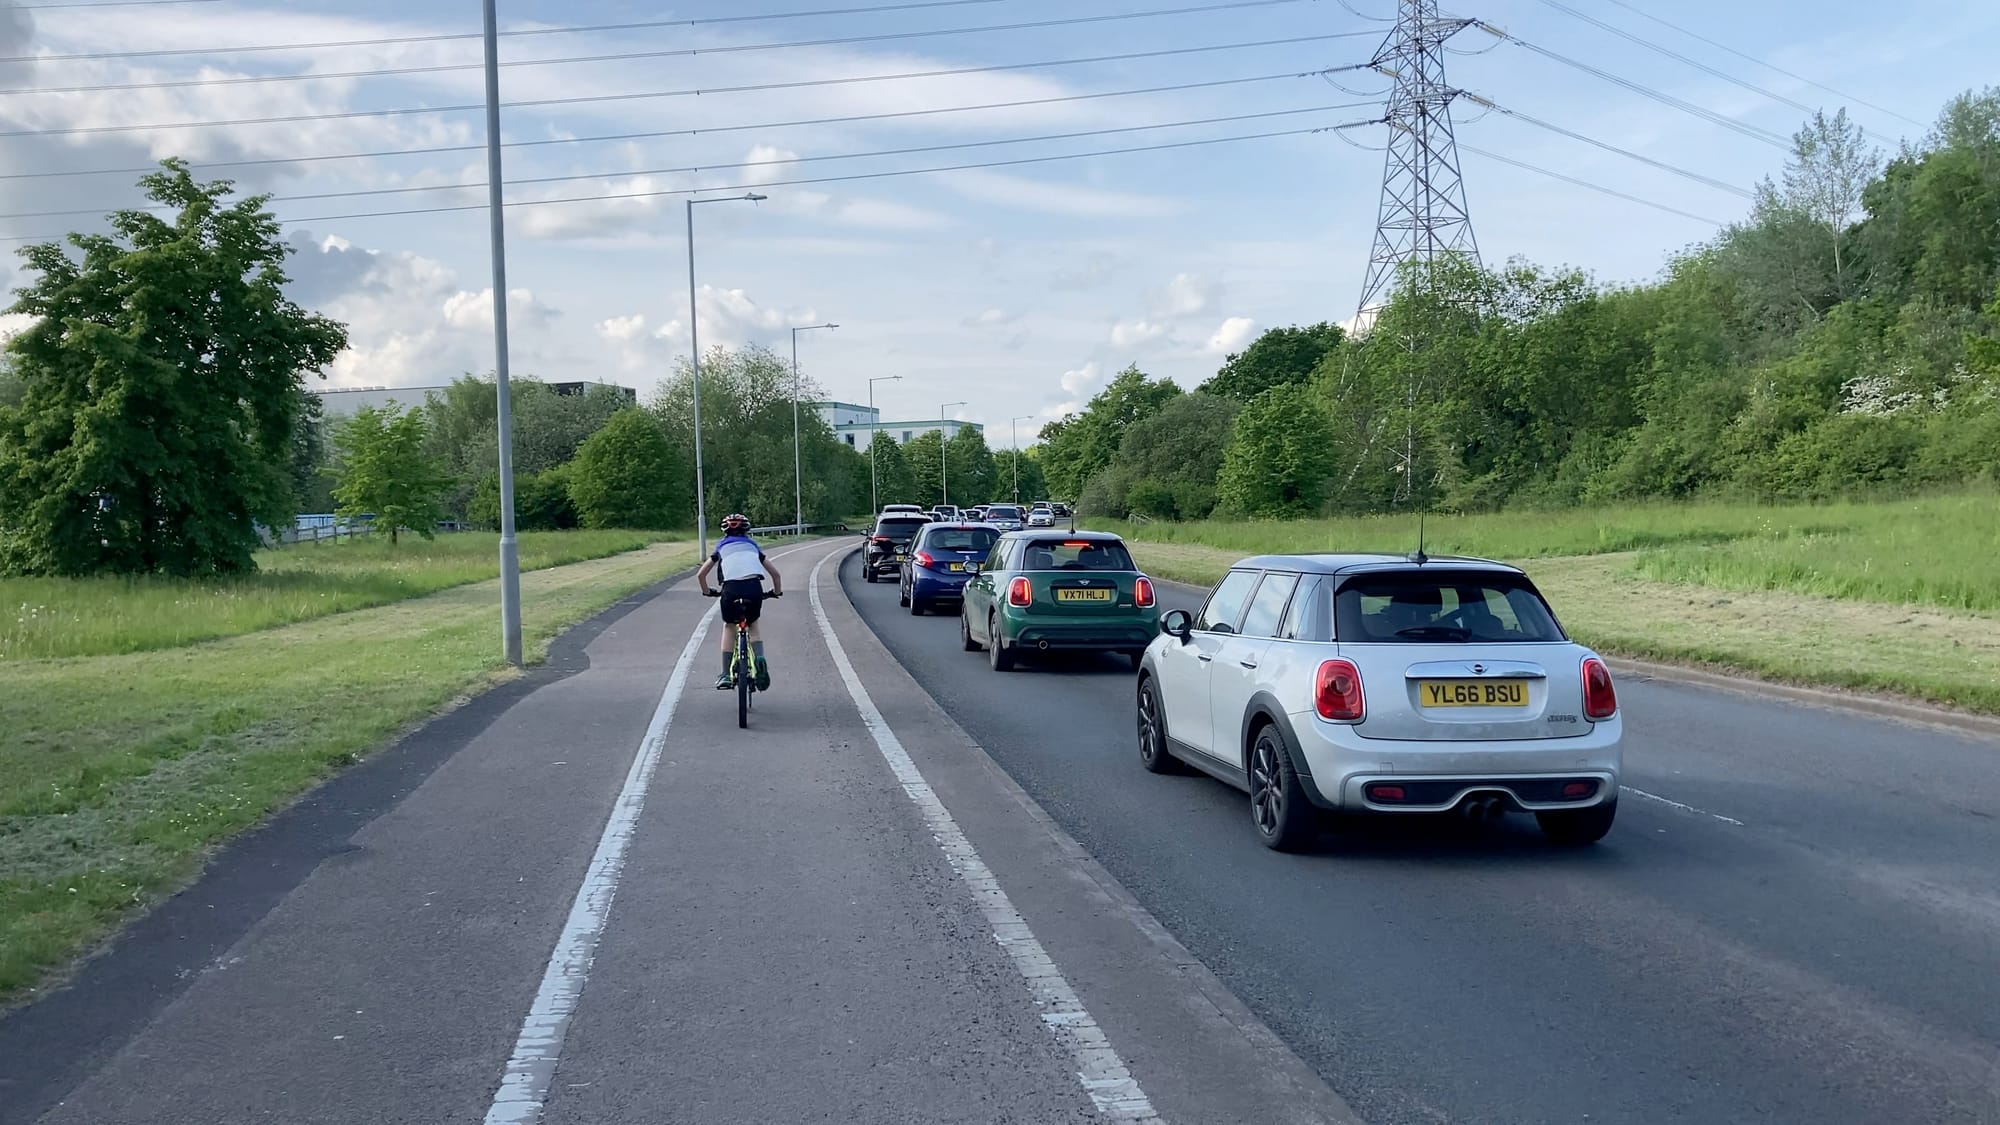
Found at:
<point>1677,805</point>
<point>524,1085</point>
<point>1102,1073</point>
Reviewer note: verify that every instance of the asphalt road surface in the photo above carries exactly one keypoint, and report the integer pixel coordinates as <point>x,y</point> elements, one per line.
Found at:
<point>582,899</point>
<point>1808,933</point>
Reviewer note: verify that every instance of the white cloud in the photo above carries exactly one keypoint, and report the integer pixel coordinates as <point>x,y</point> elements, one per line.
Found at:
<point>1185,295</point>
<point>1232,336</point>
<point>1137,333</point>
<point>622,328</point>
<point>991,318</point>
<point>1061,198</point>
<point>1081,379</point>
<point>466,309</point>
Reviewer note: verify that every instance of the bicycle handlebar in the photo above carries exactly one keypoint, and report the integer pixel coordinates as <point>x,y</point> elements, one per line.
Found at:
<point>718,593</point>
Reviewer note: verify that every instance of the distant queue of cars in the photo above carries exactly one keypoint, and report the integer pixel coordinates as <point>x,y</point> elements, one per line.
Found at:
<point>1323,686</point>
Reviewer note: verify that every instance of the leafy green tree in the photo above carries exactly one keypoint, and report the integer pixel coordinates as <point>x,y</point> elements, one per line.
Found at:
<point>160,406</point>
<point>541,501</point>
<point>974,478</point>
<point>924,455</point>
<point>385,471</point>
<point>1076,448</point>
<point>1281,456</point>
<point>311,464</point>
<point>628,475</point>
<point>1278,357</point>
<point>895,481</point>
<point>1168,463</point>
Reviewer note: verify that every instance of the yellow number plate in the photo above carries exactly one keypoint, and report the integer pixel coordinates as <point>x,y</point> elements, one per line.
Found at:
<point>1083,595</point>
<point>1473,693</point>
<point>956,567</point>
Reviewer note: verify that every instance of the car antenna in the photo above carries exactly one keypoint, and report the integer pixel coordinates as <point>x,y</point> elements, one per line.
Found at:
<point>1418,555</point>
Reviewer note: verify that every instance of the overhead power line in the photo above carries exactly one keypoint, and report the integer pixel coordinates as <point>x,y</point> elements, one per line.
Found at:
<point>1754,132</point>
<point>1760,62</point>
<point>664,53</point>
<point>464,36</point>
<point>761,185</point>
<point>1695,63</point>
<point>109,4</point>
<point>1697,177</point>
<point>539,142</point>
<point>618,173</point>
<point>1536,168</point>
<point>404,111</point>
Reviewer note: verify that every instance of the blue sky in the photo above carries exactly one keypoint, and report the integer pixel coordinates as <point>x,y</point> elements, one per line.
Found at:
<point>1019,289</point>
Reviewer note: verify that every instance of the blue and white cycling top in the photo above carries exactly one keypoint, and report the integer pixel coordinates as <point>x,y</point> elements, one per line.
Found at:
<point>740,558</point>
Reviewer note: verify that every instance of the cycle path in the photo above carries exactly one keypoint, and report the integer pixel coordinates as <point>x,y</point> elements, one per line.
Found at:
<point>610,904</point>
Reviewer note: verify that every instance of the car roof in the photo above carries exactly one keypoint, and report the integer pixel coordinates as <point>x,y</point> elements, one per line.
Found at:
<point>1069,536</point>
<point>1368,562</point>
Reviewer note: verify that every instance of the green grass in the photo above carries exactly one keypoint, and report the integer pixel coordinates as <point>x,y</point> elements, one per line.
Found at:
<point>57,617</point>
<point>1891,596</point>
<point>1938,552</point>
<point>119,772</point>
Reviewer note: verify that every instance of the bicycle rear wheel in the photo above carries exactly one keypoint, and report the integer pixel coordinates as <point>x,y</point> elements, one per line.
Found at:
<point>743,674</point>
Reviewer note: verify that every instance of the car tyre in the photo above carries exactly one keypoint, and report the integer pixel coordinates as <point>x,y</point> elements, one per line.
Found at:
<point>1154,754</point>
<point>997,653</point>
<point>902,594</point>
<point>918,607</point>
<point>965,640</point>
<point>1575,828</point>
<point>1285,820</point>
<point>868,574</point>
<point>1138,659</point>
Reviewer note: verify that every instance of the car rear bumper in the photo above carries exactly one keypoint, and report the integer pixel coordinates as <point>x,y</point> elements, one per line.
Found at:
<point>881,564</point>
<point>932,586</point>
<point>1119,633</point>
<point>1528,774</point>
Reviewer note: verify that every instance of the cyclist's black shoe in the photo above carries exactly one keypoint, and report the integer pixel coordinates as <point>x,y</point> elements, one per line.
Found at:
<point>724,682</point>
<point>763,680</point>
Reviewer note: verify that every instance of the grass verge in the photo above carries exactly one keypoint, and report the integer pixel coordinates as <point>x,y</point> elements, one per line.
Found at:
<point>55,617</point>
<point>1607,602</point>
<point>120,772</point>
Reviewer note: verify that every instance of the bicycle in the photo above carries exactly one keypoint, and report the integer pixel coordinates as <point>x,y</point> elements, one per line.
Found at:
<point>741,669</point>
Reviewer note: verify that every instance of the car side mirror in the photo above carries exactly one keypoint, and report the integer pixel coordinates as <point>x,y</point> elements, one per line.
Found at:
<point>1177,623</point>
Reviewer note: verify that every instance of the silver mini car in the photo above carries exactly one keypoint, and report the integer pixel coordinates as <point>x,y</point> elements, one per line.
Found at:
<point>1382,684</point>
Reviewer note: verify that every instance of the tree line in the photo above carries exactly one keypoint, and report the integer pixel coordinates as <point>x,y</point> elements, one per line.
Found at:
<point>1844,336</point>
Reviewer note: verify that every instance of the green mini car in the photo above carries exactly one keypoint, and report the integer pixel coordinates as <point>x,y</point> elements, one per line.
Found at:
<point>1045,590</point>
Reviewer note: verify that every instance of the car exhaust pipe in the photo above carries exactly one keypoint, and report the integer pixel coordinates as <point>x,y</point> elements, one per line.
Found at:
<point>1483,810</point>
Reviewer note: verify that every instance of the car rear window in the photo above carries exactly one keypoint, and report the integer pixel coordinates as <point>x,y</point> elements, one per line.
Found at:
<point>902,528</point>
<point>1003,512</point>
<point>1076,554</point>
<point>1442,607</point>
<point>973,540</point>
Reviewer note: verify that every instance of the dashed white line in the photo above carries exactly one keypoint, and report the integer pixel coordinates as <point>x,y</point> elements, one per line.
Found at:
<point>1684,808</point>
<point>1100,1070</point>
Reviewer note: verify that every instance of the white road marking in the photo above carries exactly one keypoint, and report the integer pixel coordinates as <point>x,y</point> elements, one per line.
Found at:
<point>524,1085</point>
<point>1101,1071</point>
<point>1684,808</point>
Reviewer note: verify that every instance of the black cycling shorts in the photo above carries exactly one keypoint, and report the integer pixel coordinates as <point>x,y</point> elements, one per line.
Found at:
<point>750,591</point>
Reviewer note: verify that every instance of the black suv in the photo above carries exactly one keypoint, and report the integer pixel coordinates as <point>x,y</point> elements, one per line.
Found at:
<point>889,543</point>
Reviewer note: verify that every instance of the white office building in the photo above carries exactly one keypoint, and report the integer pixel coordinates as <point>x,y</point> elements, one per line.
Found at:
<point>858,425</point>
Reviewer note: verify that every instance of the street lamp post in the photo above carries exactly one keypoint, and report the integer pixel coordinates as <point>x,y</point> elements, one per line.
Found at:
<point>875,431</point>
<point>1015,434</point>
<point>694,350</point>
<point>798,464</point>
<point>510,559</point>
<point>944,471</point>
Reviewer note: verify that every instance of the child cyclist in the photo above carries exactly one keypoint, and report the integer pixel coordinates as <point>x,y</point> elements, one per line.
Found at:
<point>744,568</point>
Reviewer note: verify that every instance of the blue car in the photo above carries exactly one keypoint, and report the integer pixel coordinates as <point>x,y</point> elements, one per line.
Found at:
<point>940,562</point>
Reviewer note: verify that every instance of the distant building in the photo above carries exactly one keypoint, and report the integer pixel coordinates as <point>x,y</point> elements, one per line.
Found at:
<point>858,425</point>
<point>342,402</point>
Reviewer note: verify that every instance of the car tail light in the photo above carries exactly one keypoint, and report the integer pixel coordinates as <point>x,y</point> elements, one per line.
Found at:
<point>1600,699</point>
<point>1337,692</point>
<point>1019,593</point>
<point>882,539</point>
<point>924,559</point>
<point>1142,593</point>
